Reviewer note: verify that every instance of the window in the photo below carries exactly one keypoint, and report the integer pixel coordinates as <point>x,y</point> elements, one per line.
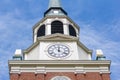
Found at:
<point>72,31</point>
<point>60,78</point>
<point>41,31</point>
<point>56,27</point>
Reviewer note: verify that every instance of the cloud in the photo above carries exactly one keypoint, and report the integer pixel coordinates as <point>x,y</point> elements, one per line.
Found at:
<point>116,26</point>
<point>3,65</point>
<point>114,71</point>
<point>94,39</point>
<point>15,33</point>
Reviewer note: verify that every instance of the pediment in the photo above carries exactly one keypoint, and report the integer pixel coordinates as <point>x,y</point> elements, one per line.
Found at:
<point>54,37</point>
<point>57,37</point>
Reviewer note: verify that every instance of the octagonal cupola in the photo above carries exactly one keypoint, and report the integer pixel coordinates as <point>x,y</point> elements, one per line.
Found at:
<point>55,21</point>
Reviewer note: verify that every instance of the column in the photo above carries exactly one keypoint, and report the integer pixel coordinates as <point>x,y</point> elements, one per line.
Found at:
<point>65,28</point>
<point>48,29</point>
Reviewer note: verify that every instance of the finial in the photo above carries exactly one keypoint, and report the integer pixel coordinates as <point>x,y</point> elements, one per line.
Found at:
<point>100,55</point>
<point>99,52</point>
<point>54,3</point>
<point>18,54</point>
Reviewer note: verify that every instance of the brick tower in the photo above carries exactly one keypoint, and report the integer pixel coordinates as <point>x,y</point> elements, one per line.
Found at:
<point>57,53</point>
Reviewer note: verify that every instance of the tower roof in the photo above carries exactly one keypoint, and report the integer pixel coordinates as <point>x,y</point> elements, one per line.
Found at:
<point>54,3</point>
<point>55,8</point>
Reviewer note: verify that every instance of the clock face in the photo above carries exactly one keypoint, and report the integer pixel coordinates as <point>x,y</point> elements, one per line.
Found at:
<point>58,51</point>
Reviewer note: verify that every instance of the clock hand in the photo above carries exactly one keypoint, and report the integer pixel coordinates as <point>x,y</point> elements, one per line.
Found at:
<point>58,48</point>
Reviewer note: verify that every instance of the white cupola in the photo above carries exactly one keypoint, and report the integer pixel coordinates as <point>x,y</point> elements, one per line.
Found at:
<point>55,21</point>
<point>56,36</point>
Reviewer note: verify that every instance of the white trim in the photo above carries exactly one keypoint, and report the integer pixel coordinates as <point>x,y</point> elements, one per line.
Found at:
<point>59,66</point>
<point>54,62</point>
<point>66,31</point>
<point>48,29</point>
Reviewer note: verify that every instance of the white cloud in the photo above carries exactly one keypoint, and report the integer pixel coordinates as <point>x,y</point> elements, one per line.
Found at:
<point>116,26</point>
<point>3,67</point>
<point>93,39</point>
<point>15,33</point>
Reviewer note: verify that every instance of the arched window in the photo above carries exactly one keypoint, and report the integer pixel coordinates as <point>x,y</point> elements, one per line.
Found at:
<point>41,31</point>
<point>60,78</point>
<point>72,31</point>
<point>56,27</point>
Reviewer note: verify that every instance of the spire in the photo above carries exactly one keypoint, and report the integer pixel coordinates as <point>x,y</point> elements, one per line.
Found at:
<point>54,3</point>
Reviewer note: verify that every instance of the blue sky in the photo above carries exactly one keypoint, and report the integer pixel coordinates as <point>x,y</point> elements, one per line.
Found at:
<point>99,22</point>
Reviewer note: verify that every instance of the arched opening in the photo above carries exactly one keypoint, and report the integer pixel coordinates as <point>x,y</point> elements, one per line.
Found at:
<point>72,31</point>
<point>56,27</point>
<point>60,78</point>
<point>41,31</point>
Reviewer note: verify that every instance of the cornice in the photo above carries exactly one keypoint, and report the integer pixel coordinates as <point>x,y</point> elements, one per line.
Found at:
<point>43,66</point>
<point>31,47</point>
<point>85,48</point>
<point>58,37</point>
<point>60,62</point>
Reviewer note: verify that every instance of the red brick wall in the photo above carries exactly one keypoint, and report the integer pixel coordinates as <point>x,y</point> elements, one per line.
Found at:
<point>14,76</point>
<point>93,76</point>
<point>106,76</point>
<point>40,77</point>
<point>27,76</point>
<point>80,76</point>
<point>50,75</point>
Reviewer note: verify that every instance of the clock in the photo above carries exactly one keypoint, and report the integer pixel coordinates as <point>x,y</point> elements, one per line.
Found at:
<point>58,51</point>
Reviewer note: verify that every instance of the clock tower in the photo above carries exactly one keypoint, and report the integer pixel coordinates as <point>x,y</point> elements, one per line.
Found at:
<point>57,53</point>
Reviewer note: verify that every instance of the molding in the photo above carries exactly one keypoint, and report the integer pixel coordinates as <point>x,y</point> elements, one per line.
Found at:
<point>58,37</point>
<point>44,66</point>
<point>85,48</point>
<point>64,62</point>
<point>30,48</point>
